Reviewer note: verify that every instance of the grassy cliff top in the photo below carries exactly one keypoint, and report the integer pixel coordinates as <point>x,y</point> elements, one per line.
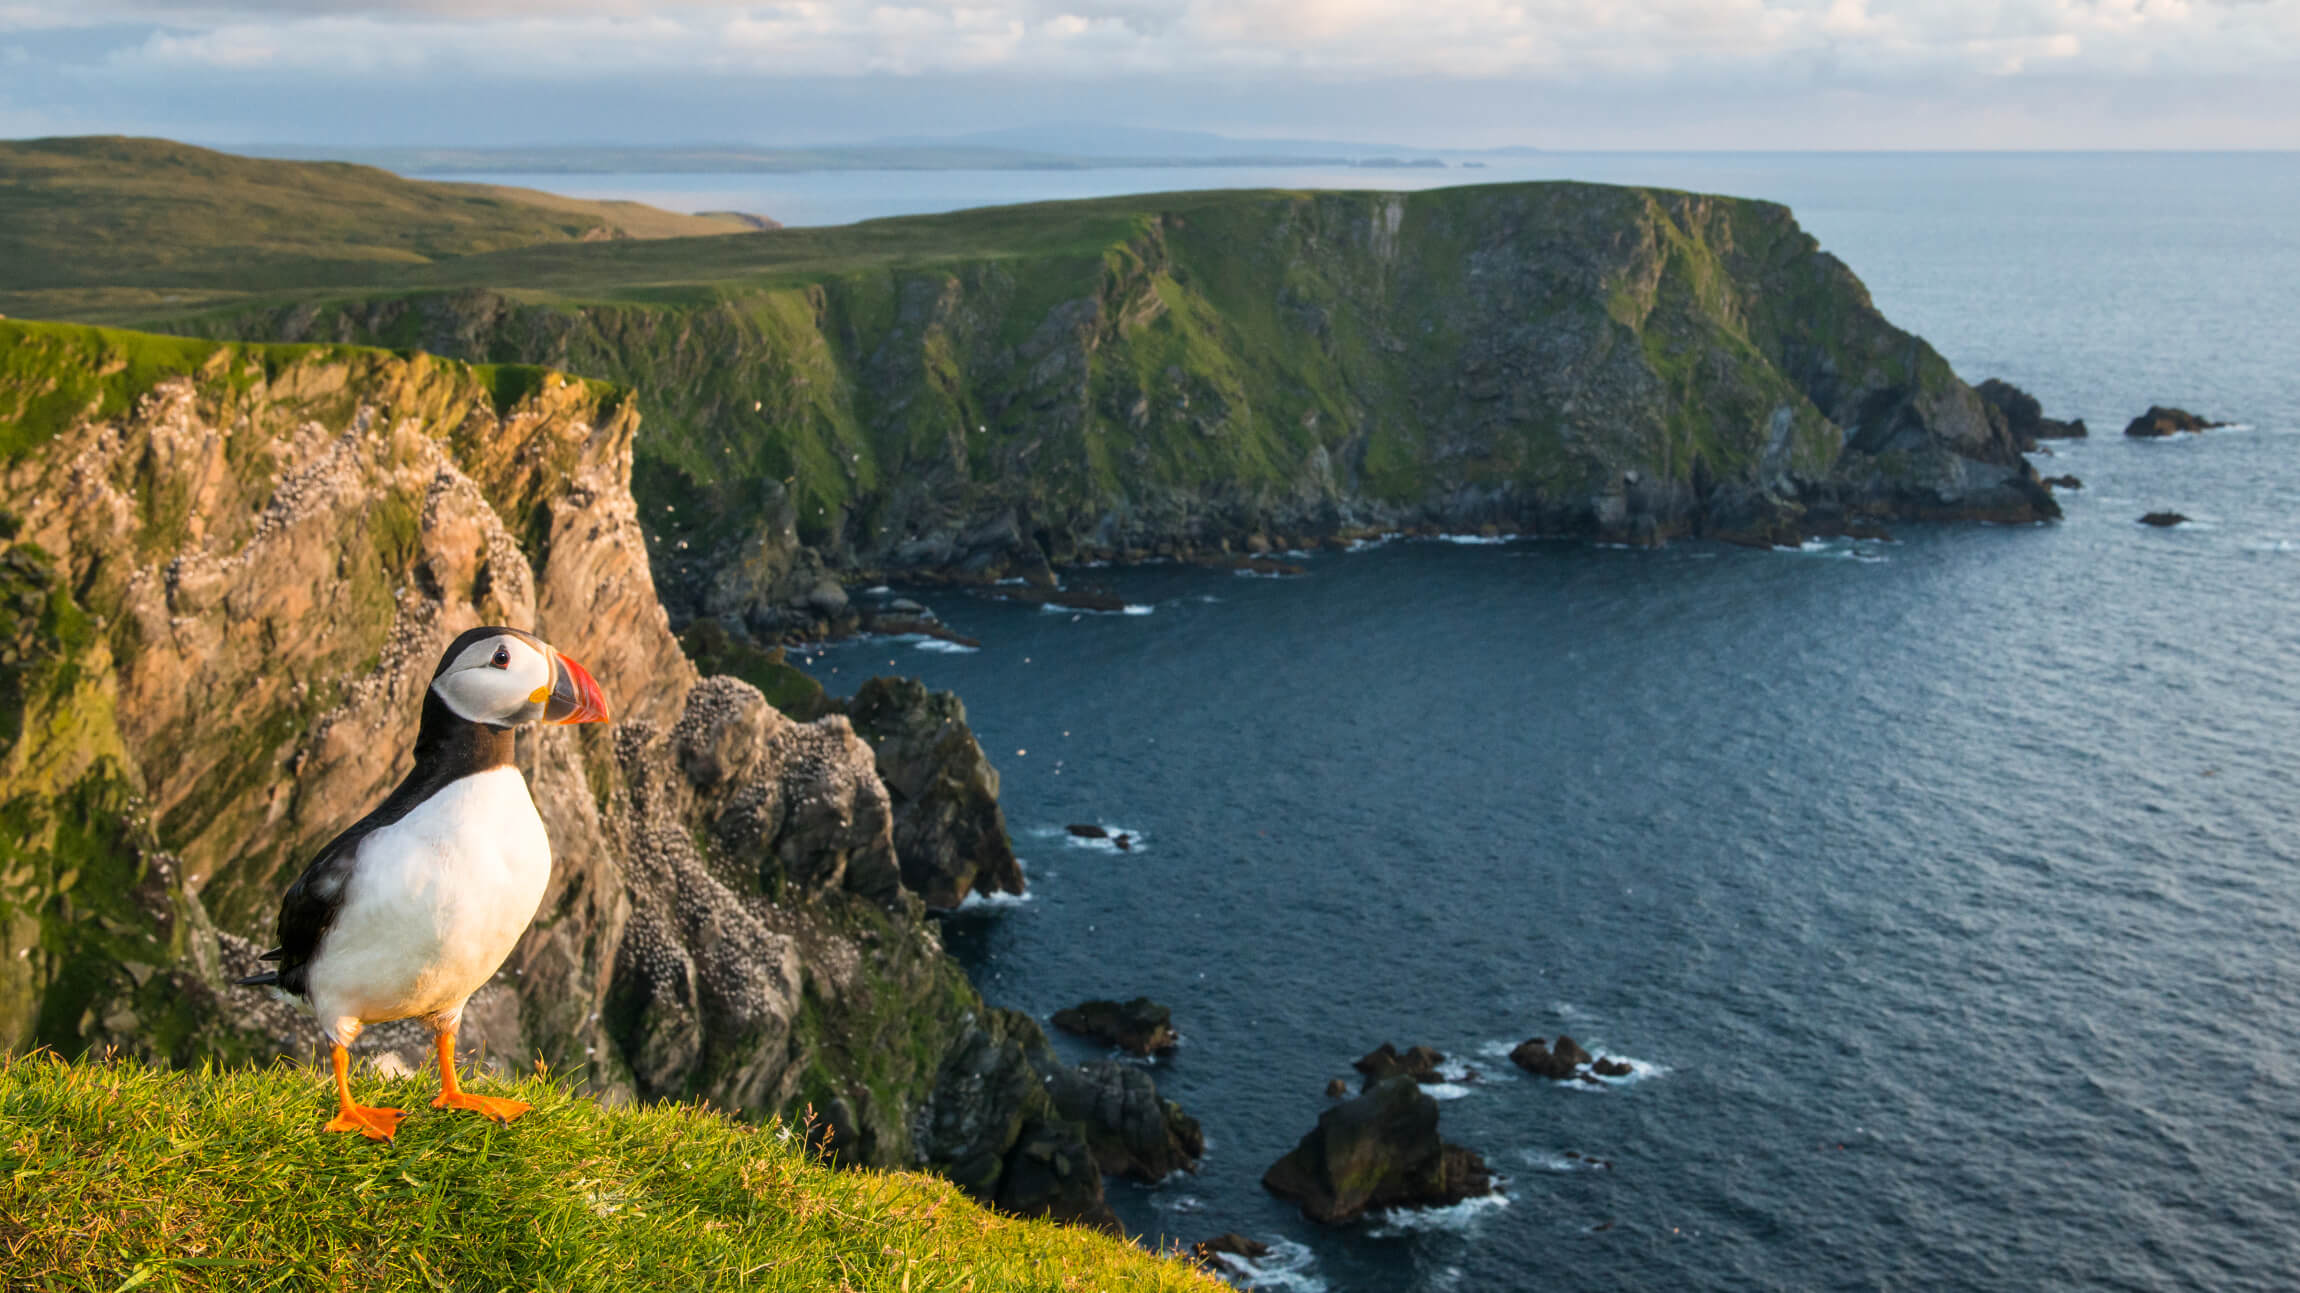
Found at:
<point>116,1176</point>
<point>133,231</point>
<point>148,219</point>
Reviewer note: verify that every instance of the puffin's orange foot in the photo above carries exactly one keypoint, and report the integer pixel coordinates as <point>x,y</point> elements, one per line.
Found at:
<point>486,1105</point>
<point>375,1124</point>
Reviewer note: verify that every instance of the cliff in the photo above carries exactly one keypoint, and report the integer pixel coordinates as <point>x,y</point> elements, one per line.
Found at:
<point>995,392</point>
<point>225,573</point>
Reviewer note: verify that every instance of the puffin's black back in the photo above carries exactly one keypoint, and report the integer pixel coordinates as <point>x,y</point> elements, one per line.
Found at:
<point>448,747</point>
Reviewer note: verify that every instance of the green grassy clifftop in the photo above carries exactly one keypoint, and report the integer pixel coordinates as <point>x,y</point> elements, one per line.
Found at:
<point>989,392</point>
<point>117,1176</point>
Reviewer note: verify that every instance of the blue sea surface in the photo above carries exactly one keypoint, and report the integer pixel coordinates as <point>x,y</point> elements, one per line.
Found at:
<point>1945,891</point>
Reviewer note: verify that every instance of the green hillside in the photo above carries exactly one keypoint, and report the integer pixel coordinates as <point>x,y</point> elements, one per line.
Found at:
<point>148,222</point>
<point>117,1176</point>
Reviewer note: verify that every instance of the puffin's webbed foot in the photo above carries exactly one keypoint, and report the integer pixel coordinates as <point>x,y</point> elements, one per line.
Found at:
<point>375,1124</point>
<point>453,1096</point>
<point>494,1107</point>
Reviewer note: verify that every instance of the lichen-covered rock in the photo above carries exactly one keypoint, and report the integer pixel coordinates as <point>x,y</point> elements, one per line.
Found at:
<point>1379,1150</point>
<point>990,1126</point>
<point>1132,1130</point>
<point>950,833</point>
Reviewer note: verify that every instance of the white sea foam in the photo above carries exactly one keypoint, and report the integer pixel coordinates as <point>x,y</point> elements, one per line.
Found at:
<point>877,590</point>
<point>1360,545</point>
<point>1243,573</point>
<point>1546,1161</point>
<point>1445,1090</point>
<point>1178,1202</point>
<point>2272,545</point>
<point>1288,1267</point>
<point>993,901</point>
<point>941,647</point>
<point>1130,608</point>
<point>1458,1217</point>
<point>1012,581</point>
<point>1476,540</point>
<point>1135,839</point>
<point>1137,608</point>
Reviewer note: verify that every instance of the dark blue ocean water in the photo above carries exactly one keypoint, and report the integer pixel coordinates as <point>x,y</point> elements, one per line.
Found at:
<point>1947,890</point>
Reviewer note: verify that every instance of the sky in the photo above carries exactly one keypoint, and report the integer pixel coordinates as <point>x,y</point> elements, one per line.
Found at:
<point>1561,74</point>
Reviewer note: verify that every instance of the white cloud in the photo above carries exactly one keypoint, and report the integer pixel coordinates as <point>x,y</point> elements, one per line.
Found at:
<point>1464,39</point>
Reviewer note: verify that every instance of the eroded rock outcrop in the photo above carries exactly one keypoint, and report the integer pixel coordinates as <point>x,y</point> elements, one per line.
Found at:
<point>2161,421</point>
<point>950,832</point>
<point>2023,417</point>
<point>224,574</point>
<point>1133,1131</point>
<point>1379,1150</point>
<point>1140,1026</point>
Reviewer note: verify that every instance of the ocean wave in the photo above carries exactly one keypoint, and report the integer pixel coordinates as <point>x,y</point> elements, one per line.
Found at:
<point>941,647</point>
<point>1546,1161</point>
<point>993,901</point>
<point>1288,1267</point>
<point>1455,1218</point>
<point>1360,545</point>
<point>1475,540</point>
<point>1135,840</point>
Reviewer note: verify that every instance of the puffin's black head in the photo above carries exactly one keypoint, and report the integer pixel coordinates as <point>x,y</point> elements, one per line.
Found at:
<point>505,678</point>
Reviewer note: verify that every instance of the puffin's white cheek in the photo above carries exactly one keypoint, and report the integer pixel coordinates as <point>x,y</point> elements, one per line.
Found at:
<point>485,695</point>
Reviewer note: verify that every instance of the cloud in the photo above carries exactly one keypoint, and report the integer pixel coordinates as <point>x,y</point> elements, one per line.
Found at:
<point>1465,39</point>
<point>265,69</point>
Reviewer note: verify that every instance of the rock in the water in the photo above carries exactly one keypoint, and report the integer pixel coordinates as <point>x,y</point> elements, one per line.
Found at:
<point>2162,421</point>
<point>1420,1063</point>
<point>949,832</point>
<point>1338,1089</point>
<point>2023,416</point>
<point>1141,1026</point>
<point>1132,1131</point>
<point>1611,1068</point>
<point>1124,842</point>
<point>1558,1063</point>
<point>990,1125</point>
<point>1087,831</point>
<point>1232,1244</point>
<point>2164,520</point>
<point>1380,1150</point>
<point>2064,482</point>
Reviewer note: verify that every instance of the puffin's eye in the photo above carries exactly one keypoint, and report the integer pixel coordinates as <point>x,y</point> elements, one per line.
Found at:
<point>502,658</point>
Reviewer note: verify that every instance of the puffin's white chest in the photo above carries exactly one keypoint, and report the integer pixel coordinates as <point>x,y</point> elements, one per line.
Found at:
<point>435,903</point>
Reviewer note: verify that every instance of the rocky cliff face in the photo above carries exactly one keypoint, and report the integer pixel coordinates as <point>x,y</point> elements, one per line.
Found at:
<point>1209,371</point>
<point>225,573</point>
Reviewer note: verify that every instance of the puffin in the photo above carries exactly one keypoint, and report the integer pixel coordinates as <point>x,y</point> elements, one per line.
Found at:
<point>417,904</point>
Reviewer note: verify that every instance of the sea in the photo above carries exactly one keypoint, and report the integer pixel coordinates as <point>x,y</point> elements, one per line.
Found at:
<point>1942,893</point>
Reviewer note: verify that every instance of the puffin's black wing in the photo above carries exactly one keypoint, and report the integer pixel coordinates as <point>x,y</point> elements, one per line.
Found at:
<point>309,908</point>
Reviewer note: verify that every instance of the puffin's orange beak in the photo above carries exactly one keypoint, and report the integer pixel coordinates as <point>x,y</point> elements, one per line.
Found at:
<point>575,698</point>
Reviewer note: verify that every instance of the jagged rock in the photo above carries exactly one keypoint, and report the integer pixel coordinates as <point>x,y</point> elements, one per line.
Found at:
<point>2162,421</point>
<point>1132,1131</point>
<point>2023,417</point>
<point>1141,1026</point>
<point>950,833</point>
<point>1230,1244</point>
<point>2163,520</point>
<point>1379,1150</point>
<point>1611,1068</point>
<point>1420,1063</point>
<point>1558,1063</point>
<point>990,1125</point>
<point>1087,831</point>
<point>1338,1089</point>
<point>2064,482</point>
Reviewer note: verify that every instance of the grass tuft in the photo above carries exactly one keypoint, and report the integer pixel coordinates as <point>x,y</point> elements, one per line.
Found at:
<point>117,1176</point>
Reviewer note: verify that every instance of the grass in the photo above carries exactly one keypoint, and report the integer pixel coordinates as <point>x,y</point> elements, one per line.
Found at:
<point>156,219</point>
<point>114,1176</point>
